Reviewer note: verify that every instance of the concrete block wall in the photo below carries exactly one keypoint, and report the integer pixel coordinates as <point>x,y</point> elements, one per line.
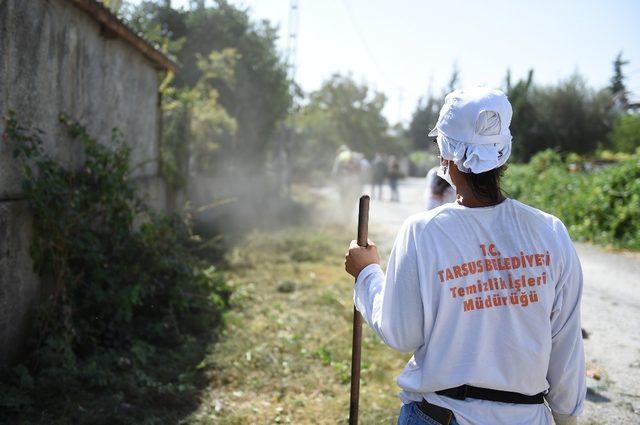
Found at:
<point>55,58</point>
<point>19,285</point>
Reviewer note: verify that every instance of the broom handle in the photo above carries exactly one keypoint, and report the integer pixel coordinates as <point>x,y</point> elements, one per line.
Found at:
<point>363,229</point>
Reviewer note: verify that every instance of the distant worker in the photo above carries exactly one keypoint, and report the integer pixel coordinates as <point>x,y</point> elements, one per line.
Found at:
<point>378,174</point>
<point>437,191</point>
<point>347,175</point>
<point>394,176</point>
<point>343,156</point>
<point>365,170</point>
<point>484,292</point>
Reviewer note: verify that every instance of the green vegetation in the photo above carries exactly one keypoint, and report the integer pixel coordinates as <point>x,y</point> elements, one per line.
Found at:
<point>257,100</point>
<point>285,354</point>
<point>341,112</point>
<point>626,133</point>
<point>255,121</point>
<point>601,206</point>
<point>582,147</point>
<point>568,116</point>
<point>129,308</point>
<point>224,112</point>
<point>194,120</point>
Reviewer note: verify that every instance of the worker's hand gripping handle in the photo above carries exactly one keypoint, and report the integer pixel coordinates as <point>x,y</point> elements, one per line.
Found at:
<point>363,230</point>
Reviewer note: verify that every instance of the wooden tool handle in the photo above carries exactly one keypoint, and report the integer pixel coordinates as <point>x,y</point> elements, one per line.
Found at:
<point>363,220</point>
<point>363,230</point>
<point>355,367</point>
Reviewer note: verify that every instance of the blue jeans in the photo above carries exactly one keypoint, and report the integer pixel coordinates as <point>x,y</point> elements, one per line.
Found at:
<point>410,414</point>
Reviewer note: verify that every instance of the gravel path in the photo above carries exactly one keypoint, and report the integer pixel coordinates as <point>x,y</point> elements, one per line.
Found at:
<point>610,313</point>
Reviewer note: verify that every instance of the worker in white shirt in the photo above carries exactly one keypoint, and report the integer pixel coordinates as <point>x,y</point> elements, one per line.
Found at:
<point>437,190</point>
<point>485,292</point>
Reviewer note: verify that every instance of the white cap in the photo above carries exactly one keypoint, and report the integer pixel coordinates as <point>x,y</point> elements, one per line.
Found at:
<point>473,129</point>
<point>462,118</point>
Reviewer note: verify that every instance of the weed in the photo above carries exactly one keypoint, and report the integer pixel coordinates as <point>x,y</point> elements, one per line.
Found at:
<point>129,308</point>
<point>601,206</point>
<point>300,342</point>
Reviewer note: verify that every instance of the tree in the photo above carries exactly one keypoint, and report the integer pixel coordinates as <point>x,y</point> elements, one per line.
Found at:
<point>426,113</point>
<point>525,126</point>
<point>571,116</point>
<point>617,87</point>
<point>113,5</point>
<point>259,100</point>
<point>195,124</point>
<point>424,118</point>
<point>341,112</point>
<point>567,117</point>
<point>160,24</point>
<point>219,132</point>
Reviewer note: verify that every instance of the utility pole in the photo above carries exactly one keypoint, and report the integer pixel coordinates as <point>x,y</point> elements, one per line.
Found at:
<point>292,40</point>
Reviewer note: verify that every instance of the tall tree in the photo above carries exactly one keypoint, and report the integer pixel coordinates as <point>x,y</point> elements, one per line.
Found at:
<point>568,117</point>
<point>525,128</point>
<point>424,118</point>
<point>260,98</point>
<point>617,80</point>
<point>573,117</point>
<point>618,87</point>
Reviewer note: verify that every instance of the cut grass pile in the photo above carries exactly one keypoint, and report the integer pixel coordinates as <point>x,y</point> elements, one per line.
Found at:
<point>286,353</point>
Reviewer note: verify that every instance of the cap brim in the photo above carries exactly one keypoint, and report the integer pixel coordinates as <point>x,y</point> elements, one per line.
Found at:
<point>433,132</point>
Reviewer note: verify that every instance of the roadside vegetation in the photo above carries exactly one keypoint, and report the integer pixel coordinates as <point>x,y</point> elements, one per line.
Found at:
<point>285,354</point>
<point>128,309</point>
<point>598,199</point>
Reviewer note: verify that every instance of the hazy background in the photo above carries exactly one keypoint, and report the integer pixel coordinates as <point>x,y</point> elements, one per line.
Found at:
<point>404,47</point>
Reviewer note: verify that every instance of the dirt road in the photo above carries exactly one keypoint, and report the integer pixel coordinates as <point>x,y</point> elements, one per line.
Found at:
<point>610,313</point>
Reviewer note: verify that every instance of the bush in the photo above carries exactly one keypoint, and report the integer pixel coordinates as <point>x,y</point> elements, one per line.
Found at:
<point>601,206</point>
<point>125,293</point>
<point>625,136</point>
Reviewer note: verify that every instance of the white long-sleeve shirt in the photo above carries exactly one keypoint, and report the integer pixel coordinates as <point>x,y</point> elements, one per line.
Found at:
<point>488,297</point>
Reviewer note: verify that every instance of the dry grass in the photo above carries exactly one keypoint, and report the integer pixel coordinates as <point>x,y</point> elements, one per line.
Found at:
<point>285,355</point>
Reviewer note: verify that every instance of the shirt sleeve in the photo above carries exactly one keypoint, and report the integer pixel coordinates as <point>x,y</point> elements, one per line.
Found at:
<point>392,304</point>
<point>566,373</point>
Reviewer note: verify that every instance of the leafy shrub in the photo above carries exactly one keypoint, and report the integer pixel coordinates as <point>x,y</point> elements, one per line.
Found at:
<point>126,298</point>
<point>625,136</point>
<point>601,206</point>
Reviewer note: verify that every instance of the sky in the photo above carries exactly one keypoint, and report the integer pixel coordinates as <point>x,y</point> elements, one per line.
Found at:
<point>404,48</point>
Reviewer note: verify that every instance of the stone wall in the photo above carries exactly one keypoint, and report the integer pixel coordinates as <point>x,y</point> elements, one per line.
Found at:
<point>55,58</point>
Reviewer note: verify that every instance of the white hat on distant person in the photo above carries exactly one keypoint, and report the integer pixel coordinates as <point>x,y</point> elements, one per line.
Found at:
<point>473,129</point>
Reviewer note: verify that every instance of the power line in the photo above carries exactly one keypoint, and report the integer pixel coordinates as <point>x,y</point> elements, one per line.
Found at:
<point>372,58</point>
<point>363,40</point>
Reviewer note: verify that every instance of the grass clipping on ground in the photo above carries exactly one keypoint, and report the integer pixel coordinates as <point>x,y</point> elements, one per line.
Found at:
<point>285,356</point>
